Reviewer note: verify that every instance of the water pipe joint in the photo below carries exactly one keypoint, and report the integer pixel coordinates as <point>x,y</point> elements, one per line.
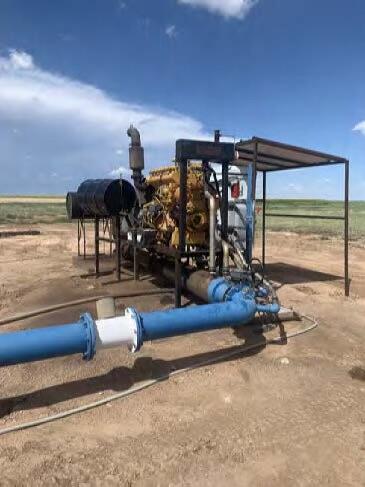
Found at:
<point>221,290</point>
<point>217,290</point>
<point>87,321</point>
<point>138,329</point>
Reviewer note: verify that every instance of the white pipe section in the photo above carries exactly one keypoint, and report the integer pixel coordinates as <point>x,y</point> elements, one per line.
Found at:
<point>116,332</point>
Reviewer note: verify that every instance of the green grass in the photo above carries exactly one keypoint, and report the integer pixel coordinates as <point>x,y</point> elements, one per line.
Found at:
<point>32,213</point>
<point>315,207</point>
<point>19,213</point>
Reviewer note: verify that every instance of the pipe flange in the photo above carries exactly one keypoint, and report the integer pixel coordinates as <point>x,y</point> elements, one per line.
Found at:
<point>217,289</point>
<point>88,322</point>
<point>137,329</point>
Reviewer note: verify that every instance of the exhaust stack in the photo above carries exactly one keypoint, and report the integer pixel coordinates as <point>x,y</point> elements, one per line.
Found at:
<point>136,155</point>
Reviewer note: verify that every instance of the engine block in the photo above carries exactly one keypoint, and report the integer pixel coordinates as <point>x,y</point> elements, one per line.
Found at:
<point>162,213</point>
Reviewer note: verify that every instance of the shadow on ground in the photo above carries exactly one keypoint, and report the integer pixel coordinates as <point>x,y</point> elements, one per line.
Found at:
<point>292,274</point>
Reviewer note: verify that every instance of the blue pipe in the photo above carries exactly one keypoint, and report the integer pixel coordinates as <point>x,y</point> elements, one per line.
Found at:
<point>52,341</point>
<point>230,305</point>
<point>163,324</point>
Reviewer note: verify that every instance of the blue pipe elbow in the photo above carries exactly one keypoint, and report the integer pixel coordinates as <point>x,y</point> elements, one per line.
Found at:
<point>234,309</point>
<point>217,290</point>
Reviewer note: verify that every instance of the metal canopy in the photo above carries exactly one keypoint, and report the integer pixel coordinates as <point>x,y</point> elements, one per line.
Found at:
<point>269,156</point>
<point>276,156</point>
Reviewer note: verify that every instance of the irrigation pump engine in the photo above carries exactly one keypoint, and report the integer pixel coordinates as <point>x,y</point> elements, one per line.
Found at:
<point>199,207</point>
<point>192,221</point>
<point>162,212</point>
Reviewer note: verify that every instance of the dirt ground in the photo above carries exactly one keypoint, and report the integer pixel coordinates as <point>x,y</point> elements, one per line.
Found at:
<point>287,415</point>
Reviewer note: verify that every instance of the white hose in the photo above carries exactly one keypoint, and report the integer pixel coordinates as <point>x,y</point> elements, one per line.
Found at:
<point>151,382</point>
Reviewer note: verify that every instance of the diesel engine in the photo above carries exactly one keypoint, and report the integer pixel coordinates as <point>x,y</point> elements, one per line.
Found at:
<point>162,212</point>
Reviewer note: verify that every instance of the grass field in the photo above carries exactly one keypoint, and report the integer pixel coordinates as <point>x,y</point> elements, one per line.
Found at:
<point>27,210</point>
<point>315,207</point>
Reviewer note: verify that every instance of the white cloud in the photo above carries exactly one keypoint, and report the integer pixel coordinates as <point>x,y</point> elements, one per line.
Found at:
<point>37,94</point>
<point>171,31</point>
<point>227,8</point>
<point>20,60</point>
<point>118,171</point>
<point>360,127</point>
<point>76,126</point>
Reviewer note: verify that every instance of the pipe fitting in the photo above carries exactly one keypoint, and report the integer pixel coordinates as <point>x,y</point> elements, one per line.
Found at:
<point>225,246</point>
<point>217,290</point>
<point>120,331</point>
<point>135,136</point>
<point>89,325</point>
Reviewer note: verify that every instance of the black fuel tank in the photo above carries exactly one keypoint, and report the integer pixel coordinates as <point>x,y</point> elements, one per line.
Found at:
<point>101,198</point>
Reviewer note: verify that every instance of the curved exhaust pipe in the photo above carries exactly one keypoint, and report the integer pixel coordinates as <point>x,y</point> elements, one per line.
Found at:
<point>136,161</point>
<point>136,151</point>
<point>135,136</point>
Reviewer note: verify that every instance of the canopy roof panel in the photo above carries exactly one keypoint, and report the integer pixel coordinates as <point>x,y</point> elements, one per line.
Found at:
<point>276,156</point>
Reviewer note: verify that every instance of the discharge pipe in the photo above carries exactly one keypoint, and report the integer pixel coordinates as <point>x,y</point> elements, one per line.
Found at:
<point>136,157</point>
<point>229,304</point>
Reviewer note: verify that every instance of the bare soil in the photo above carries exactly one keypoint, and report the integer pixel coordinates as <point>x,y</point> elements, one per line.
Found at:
<point>287,415</point>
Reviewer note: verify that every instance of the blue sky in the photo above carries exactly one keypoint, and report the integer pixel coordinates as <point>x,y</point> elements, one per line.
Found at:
<point>74,74</point>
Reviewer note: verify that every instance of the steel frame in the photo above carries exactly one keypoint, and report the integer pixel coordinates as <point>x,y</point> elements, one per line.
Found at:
<point>107,227</point>
<point>181,251</point>
<point>344,218</point>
